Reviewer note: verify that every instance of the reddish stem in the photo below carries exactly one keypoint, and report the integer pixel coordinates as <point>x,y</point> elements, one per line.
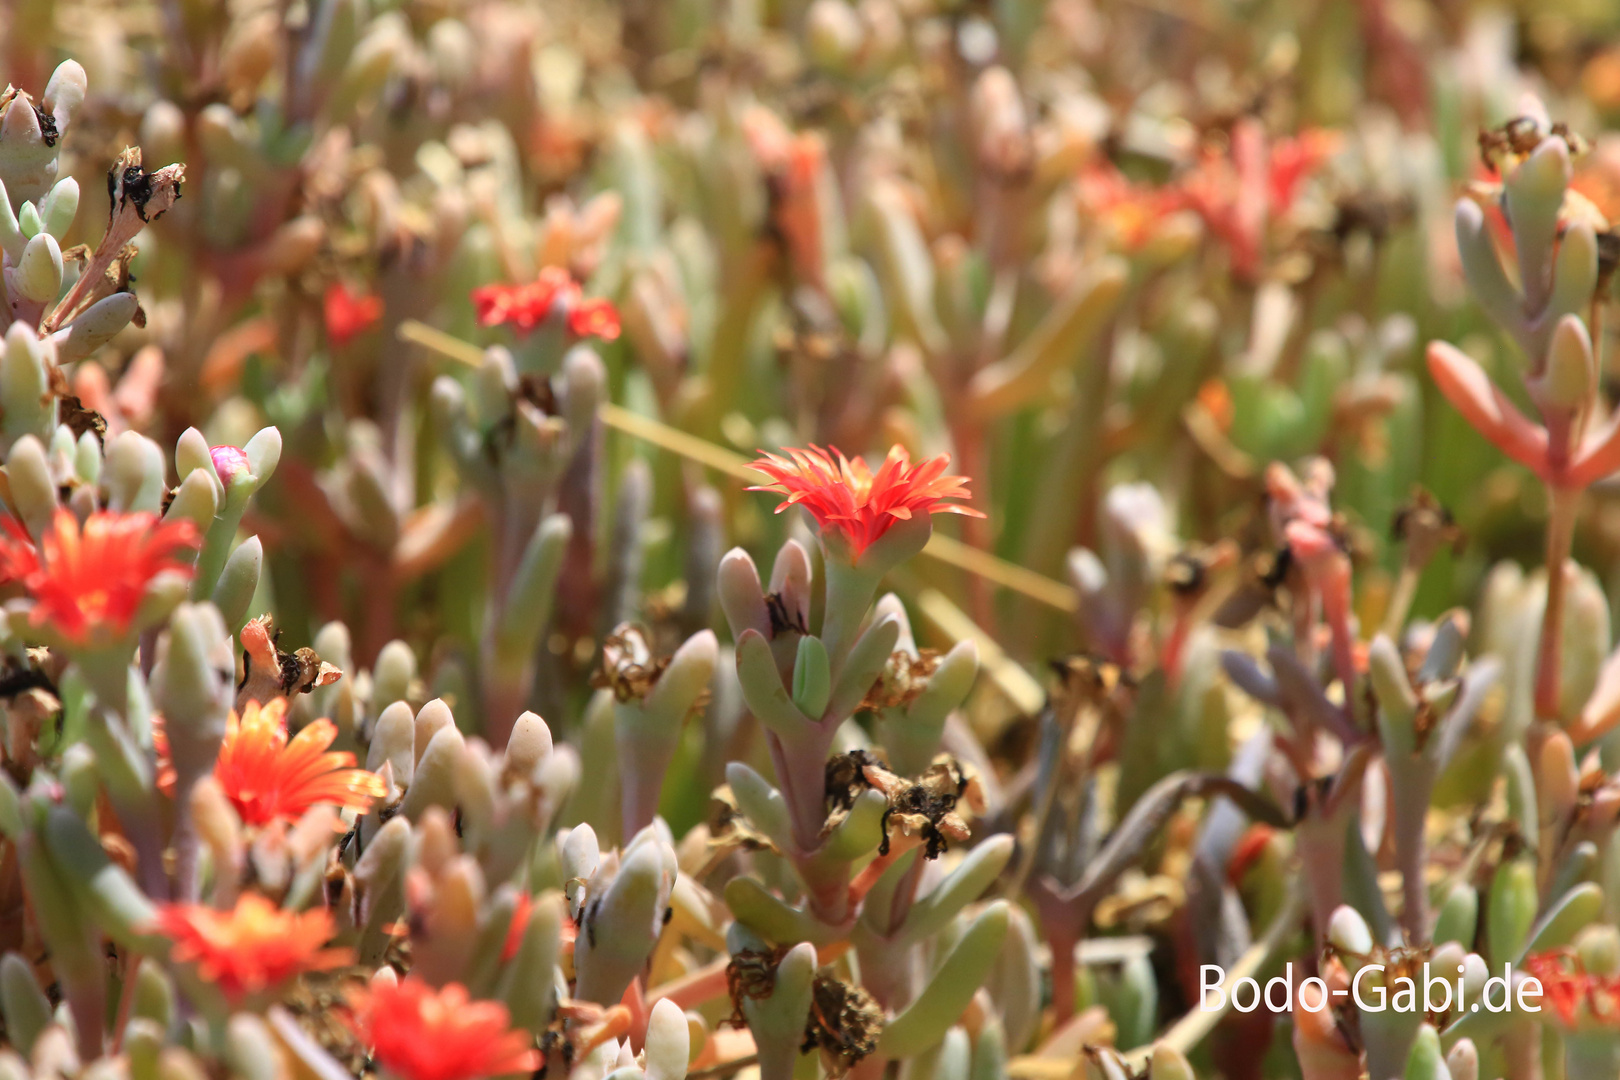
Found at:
<point>1560,537</point>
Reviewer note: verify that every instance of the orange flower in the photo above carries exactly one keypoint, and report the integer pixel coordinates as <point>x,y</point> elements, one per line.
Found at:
<point>268,778</point>
<point>418,1033</point>
<point>348,315</point>
<point>846,496</point>
<point>594,318</point>
<point>1132,212</point>
<point>254,947</point>
<point>94,578</point>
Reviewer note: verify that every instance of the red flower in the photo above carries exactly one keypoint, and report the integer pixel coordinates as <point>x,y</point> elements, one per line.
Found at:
<point>1238,193</point>
<point>94,578</point>
<point>269,778</point>
<point>349,315</point>
<point>1567,985</point>
<point>418,1033</point>
<point>594,318</point>
<point>256,946</point>
<point>846,496</point>
<point>526,306</point>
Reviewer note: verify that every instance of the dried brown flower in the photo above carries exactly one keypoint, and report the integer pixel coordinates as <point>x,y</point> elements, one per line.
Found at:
<point>844,1023</point>
<point>904,678</point>
<point>629,667</point>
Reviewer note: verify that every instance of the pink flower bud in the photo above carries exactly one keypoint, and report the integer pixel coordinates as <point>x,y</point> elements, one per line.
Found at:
<point>230,462</point>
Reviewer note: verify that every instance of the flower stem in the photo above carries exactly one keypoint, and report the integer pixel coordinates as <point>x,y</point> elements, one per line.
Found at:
<point>1560,536</point>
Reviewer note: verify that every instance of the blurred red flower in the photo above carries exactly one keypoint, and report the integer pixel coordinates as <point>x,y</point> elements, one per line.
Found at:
<point>95,577</point>
<point>253,947</point>
<point>418,1033</point>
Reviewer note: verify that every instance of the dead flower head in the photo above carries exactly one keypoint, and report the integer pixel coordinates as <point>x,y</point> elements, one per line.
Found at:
<point>904,679</point>
<point>924,808</point>
<point>629,667</point>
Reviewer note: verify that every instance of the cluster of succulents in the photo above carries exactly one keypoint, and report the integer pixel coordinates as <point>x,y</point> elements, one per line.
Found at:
<point>389,684</point>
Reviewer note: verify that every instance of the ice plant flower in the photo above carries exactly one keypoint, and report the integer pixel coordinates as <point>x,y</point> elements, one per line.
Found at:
<point>847,498</point>
<point>348,315</point>
<point>1567,986</point>
<point>418,1033</point>
<point>1239,192</point>
<point>268,777</point>
<point>254,947</point>
<point>524,307</point>
<point>594,318</point>
<point>1131,212</point>
<point>90,580</point>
